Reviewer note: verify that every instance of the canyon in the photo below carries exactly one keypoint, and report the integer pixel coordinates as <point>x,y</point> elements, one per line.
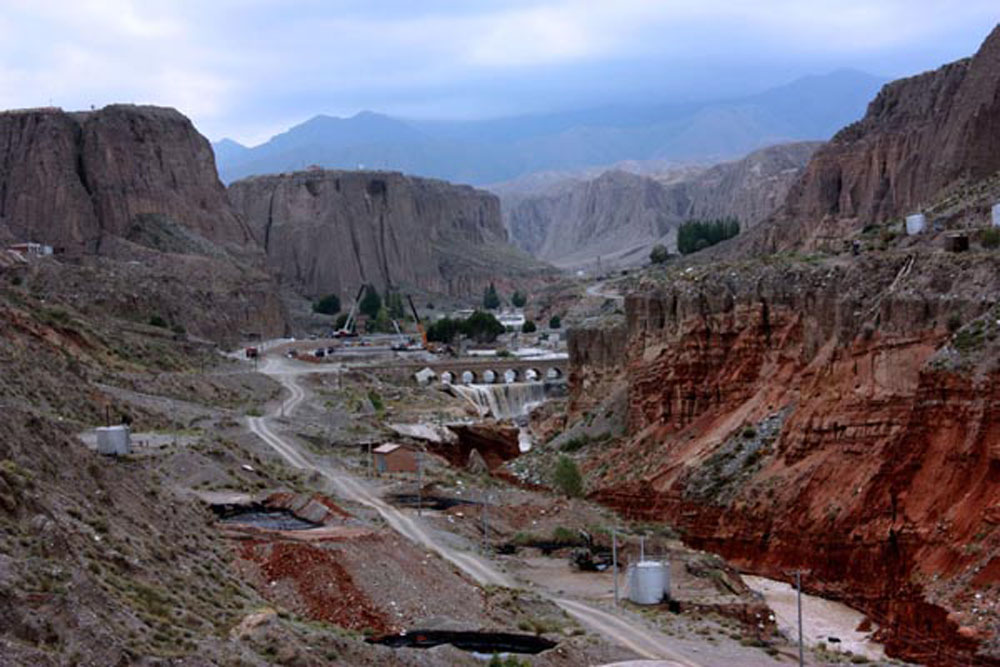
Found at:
<point>618,216</point>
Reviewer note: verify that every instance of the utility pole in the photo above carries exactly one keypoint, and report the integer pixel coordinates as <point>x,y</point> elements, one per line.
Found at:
<point>642,548</point>
<point>420,482</point>
<point>486,524</point>
<point>798,588</point>
<point>614,559</point>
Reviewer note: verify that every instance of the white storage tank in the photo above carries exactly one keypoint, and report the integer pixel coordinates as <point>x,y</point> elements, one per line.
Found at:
<point>915,224</point>
<point>114,440</point>
<point>996,215</point>
<point>648,582</point>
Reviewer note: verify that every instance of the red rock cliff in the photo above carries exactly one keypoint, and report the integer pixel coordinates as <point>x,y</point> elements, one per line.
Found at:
<point>827,418</point>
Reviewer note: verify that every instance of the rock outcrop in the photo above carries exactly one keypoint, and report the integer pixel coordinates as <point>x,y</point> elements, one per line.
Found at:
<point>331,231</point>
<point>826,417</point>
<point>73,179</point>
<point>619,215</point>
<point>130,197</point>
<point>921,136</point>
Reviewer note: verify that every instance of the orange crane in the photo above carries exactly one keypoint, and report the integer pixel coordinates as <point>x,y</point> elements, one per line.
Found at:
<point>416,318</point>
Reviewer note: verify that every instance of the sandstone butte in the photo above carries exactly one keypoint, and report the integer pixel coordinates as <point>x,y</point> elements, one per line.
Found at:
<point>838,416</point>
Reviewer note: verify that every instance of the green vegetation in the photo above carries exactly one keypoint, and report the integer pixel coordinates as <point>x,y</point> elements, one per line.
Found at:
<point>491,300</point>
<point>659,254</point>
<point>529,327</point>
<point>695,235</point>
<point>376,401</point>
<point>371,302</point>
<point>444,330</point>
<point>518,299</point>
<point>567,478</point>
<point>555,322</point>
<point>341,321</point>
<point>328,305</point>
<point>482,327</point>
<point>990,238</point>
<point>157,321</point>
<point>394,305</point>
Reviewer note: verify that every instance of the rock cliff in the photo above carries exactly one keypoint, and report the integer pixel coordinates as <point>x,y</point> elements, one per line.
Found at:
<point>130,196</point>
<point>838,418</point>
<point>618,216</point>
<point>331,231</point>
<point>921,136</point>
<point>73,179</point>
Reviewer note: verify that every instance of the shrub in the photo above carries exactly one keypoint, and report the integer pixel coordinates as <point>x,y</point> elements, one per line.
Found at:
<point>990,238</point>
<point>157,321</point>
<point>341,321</point>
<point>518,299</point>
<point>567,478</point>
<point>376,400</point>
<point>328,305</point>
<point>749,433</point>
<point>954,323</point>
<point>555,322</point>
<point>529,327</point>
<point>659,254</point>
<point>443,330</point>
<point>563,535</point>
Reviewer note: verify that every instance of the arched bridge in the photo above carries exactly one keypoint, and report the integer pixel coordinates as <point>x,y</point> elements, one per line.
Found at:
<point>494,370</point>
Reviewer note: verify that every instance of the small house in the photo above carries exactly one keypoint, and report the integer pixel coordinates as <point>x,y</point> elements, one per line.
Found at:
<point>996,215</point>
<point>915,224</point>
<point>114,440</point>
<point>393,457</point>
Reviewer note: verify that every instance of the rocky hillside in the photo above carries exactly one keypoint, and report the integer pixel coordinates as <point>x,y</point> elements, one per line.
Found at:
<point>921,137</point>
<point>331,231</point>
<point>130,197</point>
<point>836,418</point>
<point>618,216</point>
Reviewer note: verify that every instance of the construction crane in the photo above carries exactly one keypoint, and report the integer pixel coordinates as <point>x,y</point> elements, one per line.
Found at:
<point>416,318</point>
<point>349,328</point>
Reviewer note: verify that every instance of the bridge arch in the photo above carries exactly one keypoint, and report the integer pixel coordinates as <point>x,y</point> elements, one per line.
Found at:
<point>490,376</point>
<point>553,373</point>
<point>469,376</point>
<point>511,375</point>
<point>447,377</point>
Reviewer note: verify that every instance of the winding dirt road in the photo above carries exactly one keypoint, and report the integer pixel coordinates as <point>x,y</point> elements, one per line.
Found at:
<point>643,641</point>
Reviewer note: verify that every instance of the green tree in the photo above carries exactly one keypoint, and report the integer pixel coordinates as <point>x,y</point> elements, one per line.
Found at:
<point>555,322</point>
<point>382,321</point>
<point>328,305</point>
<point>341,321</point>
<point>518,299</point>
<point>371,302</point>
<point>566,477</point>
<point>695,235</point>
<point>529,327</point>
<point>444,330</point>
<point>482,327</point>
<point>659,254</point>
<point>394,303</point>
<point>491,300</point>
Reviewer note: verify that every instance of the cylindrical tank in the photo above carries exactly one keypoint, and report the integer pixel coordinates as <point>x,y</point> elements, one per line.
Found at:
<point>915,223</point>
<point>649,582</point>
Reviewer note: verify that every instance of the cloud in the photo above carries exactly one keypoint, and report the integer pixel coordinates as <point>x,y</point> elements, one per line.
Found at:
<point>249,67</point>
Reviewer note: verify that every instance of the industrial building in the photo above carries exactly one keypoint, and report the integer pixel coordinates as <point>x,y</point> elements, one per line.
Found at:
<point>392,457</point>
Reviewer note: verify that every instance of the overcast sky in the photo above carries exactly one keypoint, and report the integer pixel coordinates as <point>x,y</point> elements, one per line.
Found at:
<point>250,68</point>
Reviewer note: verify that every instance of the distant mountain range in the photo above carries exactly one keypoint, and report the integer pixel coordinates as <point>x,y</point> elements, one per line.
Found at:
<point>491,151</point>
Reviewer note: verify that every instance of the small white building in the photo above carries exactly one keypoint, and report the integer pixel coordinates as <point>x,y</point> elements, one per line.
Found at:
<point>31,249</point>
<point>114,440</point>
<point>512,319</point>
<point>996,215</point>
<point>915,224</point>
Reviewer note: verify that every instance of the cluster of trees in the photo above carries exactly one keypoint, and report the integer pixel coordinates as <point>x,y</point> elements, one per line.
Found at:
<point>695,235</point>
<point>492,301</point>
<point>481,326</point>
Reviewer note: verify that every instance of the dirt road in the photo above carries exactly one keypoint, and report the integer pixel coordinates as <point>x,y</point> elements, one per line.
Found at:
<point>643,641</point>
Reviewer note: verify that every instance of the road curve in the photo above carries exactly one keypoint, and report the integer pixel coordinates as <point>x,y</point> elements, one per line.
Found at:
<point>642,641</point>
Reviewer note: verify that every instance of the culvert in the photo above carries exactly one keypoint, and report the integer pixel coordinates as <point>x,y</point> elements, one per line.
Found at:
<point>476,642</point>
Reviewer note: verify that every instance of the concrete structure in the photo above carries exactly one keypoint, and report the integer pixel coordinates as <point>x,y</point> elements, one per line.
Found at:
<point>114,440</point>
<point>915,224</point>
<point>996,215</point>
<point>425,376</point>
<point>393,457</point>
<point>648,582</point>
<point>31,249</point>
<point>502,369</point>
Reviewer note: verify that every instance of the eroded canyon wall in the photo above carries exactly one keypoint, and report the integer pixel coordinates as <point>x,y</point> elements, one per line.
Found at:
<point>832,418</point>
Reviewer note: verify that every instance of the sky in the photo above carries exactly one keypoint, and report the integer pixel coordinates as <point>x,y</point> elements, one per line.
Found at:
<point>248,69</point>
